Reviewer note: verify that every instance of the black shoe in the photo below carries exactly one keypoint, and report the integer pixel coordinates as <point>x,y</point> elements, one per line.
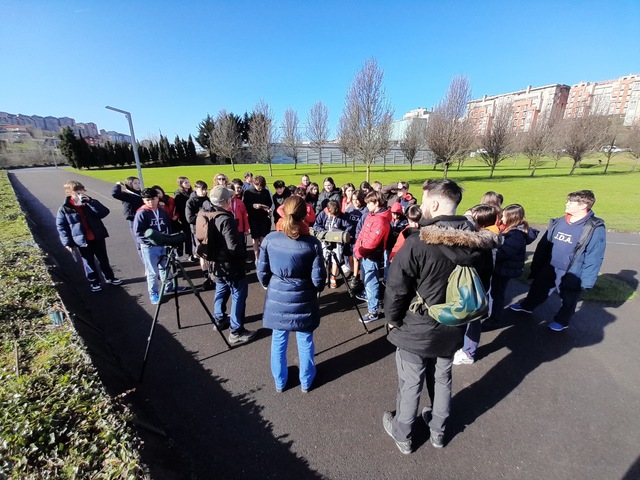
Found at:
<point>208,285</point>
<point>222,323</point>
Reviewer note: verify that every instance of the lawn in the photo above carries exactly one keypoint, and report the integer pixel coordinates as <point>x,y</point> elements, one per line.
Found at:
<point>543,196</point>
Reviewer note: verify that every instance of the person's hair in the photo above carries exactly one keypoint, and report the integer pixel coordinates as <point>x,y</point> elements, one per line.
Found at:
<point>309,195</point>
<point>365,186</point>
<point>492,198</point>
<point>514,217</point>
<point>149,193</point>
<point>330,180</point>
<point>305,175</point>
<point>584,197</point>
<point>333,207</point>
<point>72,186</point>
<point>348,185</point>
<point>405,185</point>
<point>376,184</point>
<point>129,183</point>
<point>248,174</point>
<point>360,197</point>
<point>446,190</point>
<point>301,192</point>
<point>215,177</point>
<point>237,181</point>
<point>279,184</point>
<point>485,215</point>
<point>291,188</point>
<point>181,180</point>
<point>295,211</point>
<point>375,196</point>
<point>414,213</point>
<point>260,181</point>
<point>200,184</point>
<point>158,187</point>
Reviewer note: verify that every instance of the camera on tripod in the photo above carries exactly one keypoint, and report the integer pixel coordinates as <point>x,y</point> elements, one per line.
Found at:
<point>160,239</point>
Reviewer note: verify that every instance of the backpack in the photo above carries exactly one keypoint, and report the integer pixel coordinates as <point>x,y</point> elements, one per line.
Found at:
<point>466,299</point>
<point>206,246</point>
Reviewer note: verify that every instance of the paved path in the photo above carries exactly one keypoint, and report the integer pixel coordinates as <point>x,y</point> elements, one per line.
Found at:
<point>535,404</point>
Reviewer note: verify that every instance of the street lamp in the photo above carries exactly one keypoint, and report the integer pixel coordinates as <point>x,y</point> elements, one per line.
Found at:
<point>134,144</point>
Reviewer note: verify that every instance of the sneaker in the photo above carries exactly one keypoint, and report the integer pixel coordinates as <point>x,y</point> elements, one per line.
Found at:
<point>222,323</point>
<point>113,281</point>
<point>155,299</point>
<point>404,447</point>
<point>304,389</point>
<point>241,336</point>
<point>194,259</point>
<point>362,297</point>
<point>333,283</point>
<point>355,283</point>
<point>95,287</point>
<point>557,327</point>
<point>517,307</point>
<point>437,439</point>
<point>461,358</point>
<point>370,317</point>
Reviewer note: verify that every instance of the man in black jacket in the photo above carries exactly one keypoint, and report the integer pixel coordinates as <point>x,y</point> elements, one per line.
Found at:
<point>227,254</point>
<point>425,347</point>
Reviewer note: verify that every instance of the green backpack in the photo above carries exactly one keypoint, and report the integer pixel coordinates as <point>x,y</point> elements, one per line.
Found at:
<point>466,299</point>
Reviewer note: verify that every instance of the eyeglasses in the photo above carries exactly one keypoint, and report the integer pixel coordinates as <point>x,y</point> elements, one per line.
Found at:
<point>220,178</point>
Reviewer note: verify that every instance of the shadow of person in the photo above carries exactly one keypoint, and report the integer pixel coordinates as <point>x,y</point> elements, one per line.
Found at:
<point>530,344</point>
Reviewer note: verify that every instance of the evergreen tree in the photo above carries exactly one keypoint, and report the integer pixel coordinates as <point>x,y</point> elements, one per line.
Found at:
<point>192,155</point>
<point>68,146</point>
<point>181,155</point>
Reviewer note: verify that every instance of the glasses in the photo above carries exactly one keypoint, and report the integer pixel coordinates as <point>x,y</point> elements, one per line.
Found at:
<point>220,178</point>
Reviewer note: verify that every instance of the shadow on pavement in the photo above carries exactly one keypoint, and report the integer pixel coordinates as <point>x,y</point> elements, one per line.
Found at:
<point>209,432</point>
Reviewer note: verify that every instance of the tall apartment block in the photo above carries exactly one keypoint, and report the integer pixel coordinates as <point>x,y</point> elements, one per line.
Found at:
<point>528,107</point>
<point>611,97</point>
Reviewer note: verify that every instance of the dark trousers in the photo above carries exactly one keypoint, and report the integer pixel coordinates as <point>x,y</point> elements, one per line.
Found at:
<point>569,289</point>
<point>498,290</point>
<point>95,249</point>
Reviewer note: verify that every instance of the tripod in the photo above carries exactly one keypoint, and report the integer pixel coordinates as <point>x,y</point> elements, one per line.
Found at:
<point>331,258</point>
<point>174,266</point>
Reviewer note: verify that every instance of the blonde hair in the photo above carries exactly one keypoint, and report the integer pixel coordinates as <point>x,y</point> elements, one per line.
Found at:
<point>295,211</point>
<point>514,217</point>
<point>72,186</point>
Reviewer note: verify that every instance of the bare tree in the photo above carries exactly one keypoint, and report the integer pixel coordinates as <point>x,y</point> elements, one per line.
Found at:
<point>448,133</point>
<point>225,137</point>
<point>263,134</point>
<point>580,135</point>
<point>318,128</point>
<point>291,137</point>
<point>412,140</point>
<point>633,143</point>
<point>345,141</point>
<point>536,143</point>
<point>495,143</point>
<point>611,135</point>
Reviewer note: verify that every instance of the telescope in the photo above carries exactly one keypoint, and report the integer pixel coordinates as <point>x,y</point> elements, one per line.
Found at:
<point>160,239</point>
<point>335,236</point>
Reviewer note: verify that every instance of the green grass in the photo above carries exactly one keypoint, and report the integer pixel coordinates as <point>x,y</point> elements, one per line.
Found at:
<point>543,196</point>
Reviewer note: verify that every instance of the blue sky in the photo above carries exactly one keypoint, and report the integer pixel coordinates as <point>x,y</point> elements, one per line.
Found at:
<point>171,63</point>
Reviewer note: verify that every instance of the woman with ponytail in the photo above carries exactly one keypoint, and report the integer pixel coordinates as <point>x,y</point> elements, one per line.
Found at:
<point>291,268</point>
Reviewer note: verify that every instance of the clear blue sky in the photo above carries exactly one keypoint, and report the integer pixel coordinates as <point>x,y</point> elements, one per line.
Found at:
<point>171,63</point>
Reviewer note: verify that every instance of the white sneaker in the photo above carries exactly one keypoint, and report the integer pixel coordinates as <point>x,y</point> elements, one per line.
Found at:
<point>461,358</point>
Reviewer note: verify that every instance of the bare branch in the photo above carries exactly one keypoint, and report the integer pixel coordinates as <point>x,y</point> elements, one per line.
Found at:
<point>225,137</point>
<point>499,137</point>
<point>263,134</point>
<point>318,128</point>
<point>291,139</point>
<point>413,140</point>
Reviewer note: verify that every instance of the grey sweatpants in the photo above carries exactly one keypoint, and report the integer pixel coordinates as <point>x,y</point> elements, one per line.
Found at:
<point>413,373</point>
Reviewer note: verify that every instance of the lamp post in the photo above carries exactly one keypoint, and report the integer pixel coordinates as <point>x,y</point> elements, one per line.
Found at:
<point>134,144</point>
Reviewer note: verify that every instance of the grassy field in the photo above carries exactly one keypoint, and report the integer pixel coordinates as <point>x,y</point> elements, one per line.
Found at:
<point>543,196</point>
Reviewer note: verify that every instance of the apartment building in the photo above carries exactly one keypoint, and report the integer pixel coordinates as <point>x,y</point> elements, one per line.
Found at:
<point>528,107</point>
<point>610,97</point>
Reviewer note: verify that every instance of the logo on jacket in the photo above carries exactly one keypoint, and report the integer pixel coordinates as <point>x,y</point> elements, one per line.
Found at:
<point>563,237</point>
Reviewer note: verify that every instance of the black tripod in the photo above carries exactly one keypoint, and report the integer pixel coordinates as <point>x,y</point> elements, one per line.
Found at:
<point>330,258</point>
<point>173,267</point>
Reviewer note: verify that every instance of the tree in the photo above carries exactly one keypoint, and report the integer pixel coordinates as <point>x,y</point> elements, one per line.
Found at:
<point>204,134</point>
<point>612,134</point>
<point>495,143</point>
<point>291,138</point>
<point>580,135</point>
<point>318,128</point>
<point>225,137</point>
<point>68,146</point>
<point>536,143</point>
<point>262,134</point>
<point>448,133</point>
<point>192,155</point>
<point>633,143</point>
<point>412,140</point>
<point>345,142</point>
<point>367,115</point>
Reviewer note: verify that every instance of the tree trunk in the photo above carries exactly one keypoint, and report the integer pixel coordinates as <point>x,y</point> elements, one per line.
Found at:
<point>575,164</point>
<point>233,165</point>
<point>384,163</point>
<point>368,172</point>
<point>320,160</point>
<point>295,163</point>
<point>270,169</point>
<point>411,165</point>
<point>606,167</point>
<point>353,164</point>
<point>493,167</point>
<point>533,169</point>
<point>445,170</point>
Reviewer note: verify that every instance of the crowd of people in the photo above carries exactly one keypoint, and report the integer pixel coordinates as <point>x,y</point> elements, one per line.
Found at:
<point>400,249</point>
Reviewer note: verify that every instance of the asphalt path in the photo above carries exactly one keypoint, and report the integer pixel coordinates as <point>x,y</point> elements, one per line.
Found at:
<point>536,404</point>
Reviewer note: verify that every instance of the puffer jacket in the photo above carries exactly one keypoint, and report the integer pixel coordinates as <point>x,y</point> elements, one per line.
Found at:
<point>193,206</point>
<point>69,225</point>
<point>422,265</point>
<point>373,234</point>
<point>293,272</point>
<point>325,197</point>
<point>512,253</point>
<point>131,201</point>
<point>229,251</point>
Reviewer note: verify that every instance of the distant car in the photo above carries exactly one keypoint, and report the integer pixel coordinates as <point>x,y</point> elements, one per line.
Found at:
<point>610,148</point>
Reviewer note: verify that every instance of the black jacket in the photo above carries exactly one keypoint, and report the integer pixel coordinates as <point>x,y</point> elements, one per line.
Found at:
<point>131,201</point>
<point>325,197</point>
<point>227,250</point>
<point>193,206</point>
<point>512,253</point>
<point>422,265</point>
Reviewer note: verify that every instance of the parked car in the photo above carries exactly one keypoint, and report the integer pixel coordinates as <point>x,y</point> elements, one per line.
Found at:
<point>610,148</point>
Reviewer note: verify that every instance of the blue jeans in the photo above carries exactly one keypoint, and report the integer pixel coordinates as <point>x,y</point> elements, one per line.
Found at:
<point>306,348</point>
<point>155,261</point>
<point>238,290</point>
<point>371,283</point>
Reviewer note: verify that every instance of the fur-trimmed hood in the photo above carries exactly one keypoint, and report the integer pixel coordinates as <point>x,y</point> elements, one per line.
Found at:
<point>455,237</point>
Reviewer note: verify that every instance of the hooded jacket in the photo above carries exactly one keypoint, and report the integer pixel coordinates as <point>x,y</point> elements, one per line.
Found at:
<point>511,254</point>
<point>229,251</point>
<point>373,234</point>
<point>131,201</point>
<point>422,265</point>
<point>146,218</point>
<point>325,197</point>
<point>69,224</point>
